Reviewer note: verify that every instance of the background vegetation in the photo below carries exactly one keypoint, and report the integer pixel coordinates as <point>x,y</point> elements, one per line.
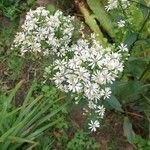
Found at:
<point>31,111</point>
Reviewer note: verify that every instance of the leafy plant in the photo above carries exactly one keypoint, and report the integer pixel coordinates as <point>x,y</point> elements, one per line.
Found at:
<point>82,141</point>
<point>142,144</point>
<point>131,91</point>
<point>24,124</point>
<point>12,8</point>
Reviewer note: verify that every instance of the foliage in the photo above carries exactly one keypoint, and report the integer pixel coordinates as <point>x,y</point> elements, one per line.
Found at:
<point>12,8</point>
<point>81,141</point>
<point>102,16</point>
<point>24,124</point>
<point>142,144</point>
<point>131,91</point>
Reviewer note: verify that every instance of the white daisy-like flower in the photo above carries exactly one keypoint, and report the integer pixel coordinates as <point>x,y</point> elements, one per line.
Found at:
<point>111,5</point>
<point>92,105</point>
<point>40,26</point>
<point>93,125</point>
<point>102,77</point>
<point>106,93</point>
<point>74,85</point>
<point>74,63</point>
<point>94,59</point>
<point>58,78</point>
<point>101,111</point>
<point>112,64</point>
<point>82,74</point>
<point>91,91</point>
<point>123,48</point>
<point>121,23</point>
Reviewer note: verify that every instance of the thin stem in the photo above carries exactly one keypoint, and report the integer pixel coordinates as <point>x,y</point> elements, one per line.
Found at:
<point>134,114</point>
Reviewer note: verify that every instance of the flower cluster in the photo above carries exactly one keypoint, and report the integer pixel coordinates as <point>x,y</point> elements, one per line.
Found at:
<point>113,4</point>
<point>88,69</point>
<point>44,33</point>
<point>82,67</point>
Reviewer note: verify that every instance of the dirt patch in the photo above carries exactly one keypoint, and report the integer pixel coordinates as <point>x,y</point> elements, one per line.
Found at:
<point>110,135</point>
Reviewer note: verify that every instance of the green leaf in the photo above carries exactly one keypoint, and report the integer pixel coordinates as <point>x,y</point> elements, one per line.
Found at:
<point>91,22</point>
<point>130,39</point>
<point>51,8</point>
<point>12,94</point>
<point>114,103</point>
<point>30,2</point>
<point>127,91</point>
<point>144,8</point>
<point>128,131</point>
<point>102,16</point>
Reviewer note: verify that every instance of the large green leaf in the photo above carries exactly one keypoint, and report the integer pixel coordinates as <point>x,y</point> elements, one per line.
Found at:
<point>91,22</point>
<point>102,16</point>
<point>128,131</point>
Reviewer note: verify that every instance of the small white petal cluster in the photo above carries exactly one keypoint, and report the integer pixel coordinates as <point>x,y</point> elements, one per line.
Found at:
<point>121,23</point>
<point>44,33</point>
<point>93,125</point>
<point>123,48</point>
<point>113,4</point>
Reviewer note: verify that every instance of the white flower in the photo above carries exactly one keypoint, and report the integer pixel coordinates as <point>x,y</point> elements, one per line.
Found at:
<point>82,74</point>
<point>123,48</point>
<point>101,111</point>
<point>58,78</point>
<point>93,125</point>
<point>82,66</point>
<point>91,91</point>
<point>74,63</point>
<point>91,105</point>
<point>74,85</point>
<point>113,64</point>
<point>121,23</point>
<point>85,74</point>
<point>94,59</point>
<point>101,77</point>
<point>125,3</point>
<point>60,64</point>
<point>111,5</point>
<point>106,93</point>
<point>39,26</point>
